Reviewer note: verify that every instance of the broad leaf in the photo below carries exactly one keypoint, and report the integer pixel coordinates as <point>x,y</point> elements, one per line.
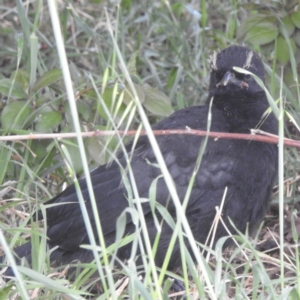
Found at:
<point>131,66</point>
<point>288,25</point>
<point>22,77</point>
<point>15,90</point>
<point>15,114</point>
<point>47,79</point>
<point>128,95</point>
<point>261,34</point>
<point>111,97</point>
<point>95,147</point>
<point>252,21</point>
<point>156,101</point>
<point>296,37</point>
<point>74,153</point>
<point>48,121</point>
<point>282,49</point>
<point>4,292</point>
<point>84,110</point>
<point>296,18</point>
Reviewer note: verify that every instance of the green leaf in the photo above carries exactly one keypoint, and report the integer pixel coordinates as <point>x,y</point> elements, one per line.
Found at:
<point>107,98</point>
<point>45,157</point>
<point>39,148</point>
<point>48,121</point>
<point>296,18</point>
<point>128,95</point>
<point>15,90</point>
<point>4,292</point>
<point>172,77</point>
<point>288,79</point>
<point>84,110</point>
<point>282,49</point>
<point>262,7</point>
<point>15,114</point>
<point>288,25</point>
<point>261,34</point>
<point>294,294</point>
<point>22,77</point>
<point>126,4</point>
<point>111,97</point>
<point>5,156</point>
<point>131,66</point>
<point>47,79</point>
<point>50,283</point>
<point>73,150</point>
<point>296,37</point>
<point>252,21</point>
<point>156,101</point>
<point>95,147</point>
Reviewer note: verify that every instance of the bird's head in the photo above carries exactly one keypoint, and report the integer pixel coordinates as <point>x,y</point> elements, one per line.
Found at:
<point>225,81</point>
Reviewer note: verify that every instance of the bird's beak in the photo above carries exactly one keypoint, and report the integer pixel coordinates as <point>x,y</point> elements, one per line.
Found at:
<point>228,77</point>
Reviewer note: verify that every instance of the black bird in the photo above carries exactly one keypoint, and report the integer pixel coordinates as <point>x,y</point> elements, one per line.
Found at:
<point>246,168</point>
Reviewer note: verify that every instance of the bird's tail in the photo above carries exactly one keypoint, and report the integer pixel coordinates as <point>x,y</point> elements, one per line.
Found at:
<point>23,251</point>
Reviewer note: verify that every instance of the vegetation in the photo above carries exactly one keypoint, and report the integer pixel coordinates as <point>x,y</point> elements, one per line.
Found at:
<point>118,52</point>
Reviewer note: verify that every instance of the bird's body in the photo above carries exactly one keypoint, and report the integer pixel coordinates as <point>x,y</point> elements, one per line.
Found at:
<point>246,168</point>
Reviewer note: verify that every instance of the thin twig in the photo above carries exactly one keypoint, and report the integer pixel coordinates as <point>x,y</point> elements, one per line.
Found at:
<point>256,135</point>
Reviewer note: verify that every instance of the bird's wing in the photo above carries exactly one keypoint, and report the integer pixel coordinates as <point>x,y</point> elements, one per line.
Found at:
<point>66,224</point>
<point>65,221</point>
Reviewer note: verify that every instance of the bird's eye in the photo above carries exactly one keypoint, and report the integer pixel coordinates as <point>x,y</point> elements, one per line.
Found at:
<point>247,77</point>
<point>219,76</point>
